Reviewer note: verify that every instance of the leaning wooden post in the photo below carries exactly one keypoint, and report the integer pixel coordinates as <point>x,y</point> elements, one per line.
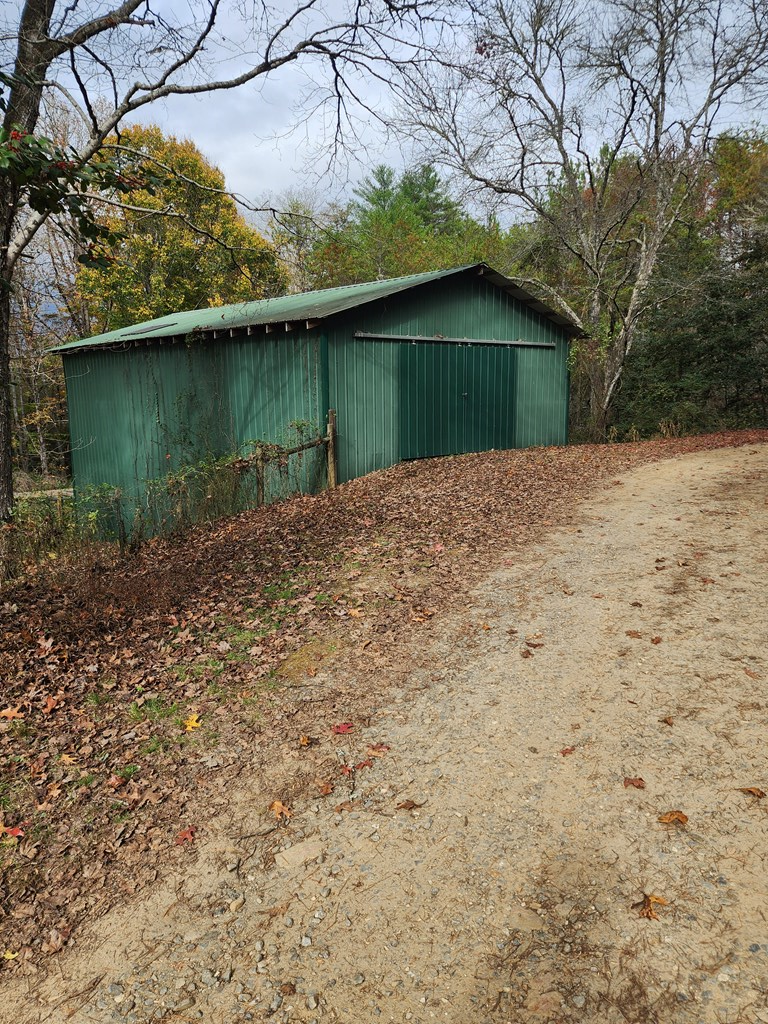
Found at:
<point>333,468</point>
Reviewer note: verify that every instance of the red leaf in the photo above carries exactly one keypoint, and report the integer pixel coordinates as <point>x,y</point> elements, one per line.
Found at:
<point>187,836</point>
<point>342,727</point>
<point>367,763</point>
<point>638,783</point>
<point>655,639</point>
<point>567,750</point>
<point>17,832</point>
<point>347,769</point>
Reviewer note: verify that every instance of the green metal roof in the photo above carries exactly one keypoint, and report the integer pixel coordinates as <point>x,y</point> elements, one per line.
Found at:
<point>304,309</point>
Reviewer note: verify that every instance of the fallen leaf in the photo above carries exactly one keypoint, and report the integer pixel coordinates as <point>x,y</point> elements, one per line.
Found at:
<point>309,741</point>
<point>280,811</point>
<point>567,750</point>
<point>342,728</point>
<point>187,836</point>
<point>377,749</point>
<point>347,805</point>
<point>670,816</point>
<point>193,722</point>
<point>635,604</point>
<point>534,646</point>
<point>8,955</point>
<point>11,713</point>
<point>438,548</point>
<point>752,791</point>
<point>68,759</point>
<point>354,613</point>
<point>646,905</point>
<point>346,769</point>
<point>409,805</point>
<point>598,596</point>
<point>50,704</point>
<point>367,763</point>
<point>115,781</point>
<point>751,674</point>
<point>16,832</point>
<point>325,788</point>
<point>485,626</point>
<point>655,639</point>
<point>288,989</point>
<point>634,634</point>
<point>525,653</point>
<point>706,579</point>
<point>667,720</point>
<point>638,783</point>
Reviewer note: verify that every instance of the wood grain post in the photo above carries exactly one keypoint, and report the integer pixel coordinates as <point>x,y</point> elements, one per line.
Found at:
<point>333,468</point>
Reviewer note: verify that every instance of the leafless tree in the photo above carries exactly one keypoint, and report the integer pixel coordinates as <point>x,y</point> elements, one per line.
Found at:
<point>108,60</point>
<point>594,120</point>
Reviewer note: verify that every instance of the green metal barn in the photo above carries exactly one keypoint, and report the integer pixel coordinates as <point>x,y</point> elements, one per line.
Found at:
<point>441,363</point>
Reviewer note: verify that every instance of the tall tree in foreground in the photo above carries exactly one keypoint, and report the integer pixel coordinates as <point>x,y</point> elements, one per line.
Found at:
<point>594,120</point>
<point>108,60</point>
<point>184,245</point>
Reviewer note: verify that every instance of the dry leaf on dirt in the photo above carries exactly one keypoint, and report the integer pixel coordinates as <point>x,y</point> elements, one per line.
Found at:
<point>567,750</point>
<point>655,639</point>
<point>535,646</point>
<point>346,805</point>
<point>752,791</point>
<point>638,783</point>
<point>673,816</point>
<point>308,741</point>
<point>354,613</point>
<point>598,596</point>
<point>50,704</point>
<point>525,653</point>
<point>646,905</point>
<point>280,811</point>
<point>409,805</point>
<point>667,720</point>
<point>325,788</point>
<point>11,713</point>
<point>751,674</point>
<point>367,763</point>
<point>342,728</point>
<point>193,722</point>
<point>634,634</point>
<point>187,836</point>
<point>377,749</point>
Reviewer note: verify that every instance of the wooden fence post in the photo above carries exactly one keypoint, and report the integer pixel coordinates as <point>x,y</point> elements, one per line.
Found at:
<point>333,468</point>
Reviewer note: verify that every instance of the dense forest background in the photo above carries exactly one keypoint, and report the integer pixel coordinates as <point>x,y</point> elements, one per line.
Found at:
<point>699,357</point>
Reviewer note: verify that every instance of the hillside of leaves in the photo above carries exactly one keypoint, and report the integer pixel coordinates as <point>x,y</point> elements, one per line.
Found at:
<point>123,682</point>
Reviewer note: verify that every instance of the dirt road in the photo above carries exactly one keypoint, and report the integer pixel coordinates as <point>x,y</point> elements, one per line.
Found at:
<point>615,673</point>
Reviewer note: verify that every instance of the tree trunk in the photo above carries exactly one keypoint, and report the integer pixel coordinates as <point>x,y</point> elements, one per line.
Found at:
<point>6,416</point>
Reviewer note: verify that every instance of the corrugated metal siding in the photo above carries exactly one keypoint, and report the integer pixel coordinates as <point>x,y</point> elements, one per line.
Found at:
<point>136,415</point>
<point>403,400</point>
